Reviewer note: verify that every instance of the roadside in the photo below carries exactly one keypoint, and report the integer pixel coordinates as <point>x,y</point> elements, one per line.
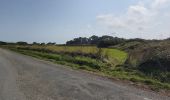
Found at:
<point>145,84</point>
<point>42,80</point>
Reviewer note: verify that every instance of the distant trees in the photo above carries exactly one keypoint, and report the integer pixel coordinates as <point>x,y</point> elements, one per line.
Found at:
<point>94,39</point>
<point>168,38</point>
<point>42,43</point>
<point>3,43</point>
<point>106,41</point>
<point>78,41</point>
<point>22,43</point>
<point>51,43</point>
<point>35,43</point>
<point>103,41</point>
<point>100,41</point>
<point>13,43</point>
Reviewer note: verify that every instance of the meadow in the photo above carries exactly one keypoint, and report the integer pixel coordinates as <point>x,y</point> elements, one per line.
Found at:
<point>112,56</point>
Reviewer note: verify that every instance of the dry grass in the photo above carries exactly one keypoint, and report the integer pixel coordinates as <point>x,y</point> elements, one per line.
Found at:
<point>113,56</point>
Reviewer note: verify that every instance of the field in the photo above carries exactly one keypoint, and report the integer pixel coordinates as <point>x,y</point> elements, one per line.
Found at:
<point>106,61</point>
<point>113,56</point>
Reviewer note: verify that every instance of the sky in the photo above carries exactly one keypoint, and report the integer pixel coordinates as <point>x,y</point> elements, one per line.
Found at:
<point>62,20</point>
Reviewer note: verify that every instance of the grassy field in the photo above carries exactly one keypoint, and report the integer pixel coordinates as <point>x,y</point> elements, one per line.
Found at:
<point>105,61</point>
<point>113,56</point>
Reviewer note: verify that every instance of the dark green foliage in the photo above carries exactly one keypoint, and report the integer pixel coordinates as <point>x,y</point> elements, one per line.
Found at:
<point>42,43</point>
<point>3,43</point>
<point>106,42</point>
<point>103,41</point>
<point>35,43</point>
<point>94,40</point>
<point>22,43</point>
<point>50,43</point>
<point>79,41</point>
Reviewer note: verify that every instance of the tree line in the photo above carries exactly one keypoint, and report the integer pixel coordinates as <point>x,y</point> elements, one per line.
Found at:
<point>103,41</point>
<point>25,43</point>
<point>99,41</point>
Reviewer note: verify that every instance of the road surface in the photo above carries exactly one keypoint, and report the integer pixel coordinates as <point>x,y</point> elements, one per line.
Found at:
<point>26,78</point>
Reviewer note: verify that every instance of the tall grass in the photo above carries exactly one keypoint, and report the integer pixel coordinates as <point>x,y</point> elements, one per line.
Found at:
<point>113,56</point>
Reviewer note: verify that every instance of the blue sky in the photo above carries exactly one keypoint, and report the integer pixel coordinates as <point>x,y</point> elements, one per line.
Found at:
<point>61,20</point>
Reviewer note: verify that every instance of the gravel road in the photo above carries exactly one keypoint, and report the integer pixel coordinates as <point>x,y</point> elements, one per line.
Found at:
<point>26,78</point>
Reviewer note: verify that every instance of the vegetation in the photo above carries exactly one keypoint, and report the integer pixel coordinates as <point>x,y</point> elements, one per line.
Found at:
<point>103,67</point>
<point>3,43</point>
<point>112,56</point>
<point>22,43</point>
<point>153,59</point>
<point>137,60</point>
<point>103,41</point>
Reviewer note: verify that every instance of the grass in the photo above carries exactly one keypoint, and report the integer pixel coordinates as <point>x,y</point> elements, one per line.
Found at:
<point>68,49</point>
<point>120,56</point>
<point>96,65</point>
<point>128,45</point>
<point>78,61</point>
<point>113,56</point>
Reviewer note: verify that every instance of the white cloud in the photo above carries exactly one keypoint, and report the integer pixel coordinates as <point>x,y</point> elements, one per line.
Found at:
<point>158,3</point>
<point>138,14</point>
<point>110,20</point>
<point>143,18</point>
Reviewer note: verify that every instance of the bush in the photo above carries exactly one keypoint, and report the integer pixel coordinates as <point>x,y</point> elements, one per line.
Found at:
<point>152,59</point>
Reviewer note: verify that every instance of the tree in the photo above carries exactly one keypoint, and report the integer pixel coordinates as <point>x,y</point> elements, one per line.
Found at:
<point>35,43</point>
<point>78,41</point>
<point>22,43</point>
<point>94,39</point>
<point>50,43</point>
<point>103,41</point>
<point>3,43</point>
<point>42,43</point>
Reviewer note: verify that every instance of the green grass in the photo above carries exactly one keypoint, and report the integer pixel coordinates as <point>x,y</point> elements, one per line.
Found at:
<point>100,67</point>
<point>113,56</point>
<point>119,56</point>
<point>79,61</point>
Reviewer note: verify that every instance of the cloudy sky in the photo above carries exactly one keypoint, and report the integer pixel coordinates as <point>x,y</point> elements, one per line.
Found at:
<point>62,20</point>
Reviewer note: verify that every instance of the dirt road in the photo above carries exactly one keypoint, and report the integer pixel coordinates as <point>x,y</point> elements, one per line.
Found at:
<point>27,78</point>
